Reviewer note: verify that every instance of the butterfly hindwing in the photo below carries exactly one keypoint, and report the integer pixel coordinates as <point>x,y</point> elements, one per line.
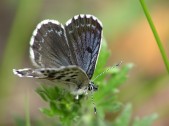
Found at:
<point>72,78</point>
<point>71,74</point>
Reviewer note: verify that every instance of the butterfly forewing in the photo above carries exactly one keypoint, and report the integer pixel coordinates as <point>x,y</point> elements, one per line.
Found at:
<point>48,46</point>
<point>84,39</point>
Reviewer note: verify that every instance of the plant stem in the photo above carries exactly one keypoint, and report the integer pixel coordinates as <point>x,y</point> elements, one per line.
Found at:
<point>27,114</point>
<point>159,43</point>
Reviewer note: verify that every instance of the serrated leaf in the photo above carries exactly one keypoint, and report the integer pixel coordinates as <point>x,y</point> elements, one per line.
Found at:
<point>47,112</point>
<point>125,116</point>
<point>119,78</point>
<point>42,94</point>
<point>53,107</point>
<point>145,121</point>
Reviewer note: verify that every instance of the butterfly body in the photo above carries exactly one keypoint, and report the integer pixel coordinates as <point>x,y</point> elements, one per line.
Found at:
<point>66,55</point>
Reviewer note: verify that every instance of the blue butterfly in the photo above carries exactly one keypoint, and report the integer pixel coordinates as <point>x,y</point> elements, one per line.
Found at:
<point>66,54</point>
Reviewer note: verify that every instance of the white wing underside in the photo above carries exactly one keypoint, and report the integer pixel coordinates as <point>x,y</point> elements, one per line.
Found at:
<point>70,77</point>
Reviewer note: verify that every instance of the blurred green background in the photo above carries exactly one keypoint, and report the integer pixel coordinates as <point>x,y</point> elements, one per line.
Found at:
<point>129,38</point>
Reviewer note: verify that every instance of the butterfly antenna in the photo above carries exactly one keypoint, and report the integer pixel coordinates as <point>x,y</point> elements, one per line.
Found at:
<point>92,99</point>
<point>107,70</point>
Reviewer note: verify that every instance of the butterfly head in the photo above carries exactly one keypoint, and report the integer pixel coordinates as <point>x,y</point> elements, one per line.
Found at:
<point>92,86</point>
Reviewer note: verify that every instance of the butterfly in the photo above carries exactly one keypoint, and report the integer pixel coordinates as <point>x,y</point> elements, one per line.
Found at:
<point>65,54</point>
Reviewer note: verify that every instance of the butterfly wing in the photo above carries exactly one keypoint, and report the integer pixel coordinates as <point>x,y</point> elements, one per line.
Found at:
<point>48,45</point>
<point>84,39</point>
<point>71,77</point>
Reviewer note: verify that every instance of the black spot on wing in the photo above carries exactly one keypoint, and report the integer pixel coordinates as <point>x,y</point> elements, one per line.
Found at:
<point>60,77</point>
<point>89,49</point>
<point>52,75</point>
<point>73,76</point>
<point>67,80</point>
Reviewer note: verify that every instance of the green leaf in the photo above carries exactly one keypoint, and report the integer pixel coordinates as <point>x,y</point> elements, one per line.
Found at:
<point>125,116</point>
<point>53,107</point>
<point>42,94</point>
<point>47,112</point>
<point>145,121</point>
<point>120,77</point>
